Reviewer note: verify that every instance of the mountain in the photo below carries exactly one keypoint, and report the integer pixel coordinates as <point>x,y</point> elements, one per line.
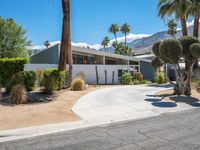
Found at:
<point>144,45</point>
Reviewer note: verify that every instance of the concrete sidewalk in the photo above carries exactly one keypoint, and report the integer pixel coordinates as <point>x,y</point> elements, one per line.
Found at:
<point>103,107</point>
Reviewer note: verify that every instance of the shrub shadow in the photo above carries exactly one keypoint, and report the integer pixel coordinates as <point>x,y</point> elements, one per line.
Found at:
<point>152,100</point>
<point>164,104</point>
<point>161,85</point>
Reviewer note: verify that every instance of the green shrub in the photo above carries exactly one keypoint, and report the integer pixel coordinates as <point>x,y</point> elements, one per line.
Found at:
<point>127,79</point>
<point>16,79</point>
<point>139,76</point>
<point>18,94</point>
<point>30,79</point>
<point>40,76</point>
<point>160,78</point>
<point>146,82</point>
<point>53,80</point>
<point>9,67</point>
<point>78,84</point>
<point>136,82</point>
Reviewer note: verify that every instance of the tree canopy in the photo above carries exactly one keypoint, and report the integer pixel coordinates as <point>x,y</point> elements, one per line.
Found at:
<point>13,42</point>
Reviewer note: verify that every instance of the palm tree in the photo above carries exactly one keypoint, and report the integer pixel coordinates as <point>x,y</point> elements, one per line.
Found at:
<point>178,7</point>
<point>172,27</point>
<point>125,28</point>
<point>66,51</point>
<point>105,42</point>
<point>195,11</point>
<point>47,43</point>
<point>114,28</point>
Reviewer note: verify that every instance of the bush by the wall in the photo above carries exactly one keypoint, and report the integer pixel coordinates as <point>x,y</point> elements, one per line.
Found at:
<point>127,79</point>
<point>139,76</point>
<point>160,78</point>
<point>53,80</point>
<point>18,94</point>
<point>9,67</point>
<point>78,84</point>
<point>30,78</point>
<point>26,78</point>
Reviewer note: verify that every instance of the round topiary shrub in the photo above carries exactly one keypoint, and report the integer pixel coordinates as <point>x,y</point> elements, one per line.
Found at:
<point>78,84</point>
<point>18,94</point>
<point>195,50</point>
<point>171,51</point>
<point>156,63</point>
<point>155,48</point>
<point>186,42</point>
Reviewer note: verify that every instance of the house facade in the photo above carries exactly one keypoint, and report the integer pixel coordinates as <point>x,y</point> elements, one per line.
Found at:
<point>107,67</point>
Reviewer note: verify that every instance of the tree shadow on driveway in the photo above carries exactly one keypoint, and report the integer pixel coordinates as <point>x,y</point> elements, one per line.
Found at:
<point>159,103</point>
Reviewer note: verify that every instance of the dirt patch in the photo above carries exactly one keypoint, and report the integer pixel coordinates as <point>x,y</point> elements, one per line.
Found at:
<point>56,110</point>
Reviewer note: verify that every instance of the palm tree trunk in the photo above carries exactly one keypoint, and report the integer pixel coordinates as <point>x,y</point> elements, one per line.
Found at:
<point>184,26</point>
<point>196,26</point>
<point>63,49</point>
<point>116,38</point>
<point>125,40</point>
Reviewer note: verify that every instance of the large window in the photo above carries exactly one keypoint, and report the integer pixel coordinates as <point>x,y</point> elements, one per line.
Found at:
<point>113,61</point>
<point>81,58</point>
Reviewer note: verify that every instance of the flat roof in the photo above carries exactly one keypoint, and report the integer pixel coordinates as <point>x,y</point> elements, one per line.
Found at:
<point>102,53</point>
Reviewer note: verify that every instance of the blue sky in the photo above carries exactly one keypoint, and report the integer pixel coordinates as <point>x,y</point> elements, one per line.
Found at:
<point>90,19</point>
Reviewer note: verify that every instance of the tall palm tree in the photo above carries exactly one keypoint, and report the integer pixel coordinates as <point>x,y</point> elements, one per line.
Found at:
<point>178,7</point>
<point>105,42</point>
<point>66,51</point>
<point>47,43</point>
<point>114,28</point>
<point>125,28</point>
<point>195,11</point>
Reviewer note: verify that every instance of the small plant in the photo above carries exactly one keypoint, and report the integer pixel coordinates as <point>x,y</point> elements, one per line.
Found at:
<point>17,78</point>
<point>136,82</point>
<point>18,94</point>
<point>80,75</point>
<point>139,76</point>
<point>160,78</point>
<point>53,80</point>
<point>30,78</point>
<point>78,84</point>
<point>40,76</point>
<point>146,82</point>
<point>127,79</point>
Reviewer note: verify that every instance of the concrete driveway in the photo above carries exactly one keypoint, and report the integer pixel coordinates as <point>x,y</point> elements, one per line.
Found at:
<point>124,103</point>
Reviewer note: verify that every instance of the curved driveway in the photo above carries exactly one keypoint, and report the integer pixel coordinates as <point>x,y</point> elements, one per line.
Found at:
<point>123,103</point>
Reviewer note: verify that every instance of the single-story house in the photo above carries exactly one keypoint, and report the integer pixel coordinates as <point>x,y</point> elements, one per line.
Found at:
<point>91,62</point>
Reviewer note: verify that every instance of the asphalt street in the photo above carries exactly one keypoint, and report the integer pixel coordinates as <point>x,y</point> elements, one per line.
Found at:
<point>173,131</point>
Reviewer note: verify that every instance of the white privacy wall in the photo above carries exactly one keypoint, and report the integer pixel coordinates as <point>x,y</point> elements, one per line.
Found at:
<point>88,70</point>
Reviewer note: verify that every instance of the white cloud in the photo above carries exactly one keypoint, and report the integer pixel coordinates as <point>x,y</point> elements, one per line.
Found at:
<point>130,38</point>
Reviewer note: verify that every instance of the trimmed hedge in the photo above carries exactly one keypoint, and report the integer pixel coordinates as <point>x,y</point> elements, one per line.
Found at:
<point>9,67</point>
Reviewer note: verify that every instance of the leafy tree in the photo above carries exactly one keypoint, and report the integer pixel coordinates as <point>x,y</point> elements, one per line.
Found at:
<point>170,51</point>
<point>172,27</point>
<point>13,42</point>
<point>114,28</point>
<point>47,44</point>
<point>105,43</point>
<point>178,7</point>
<point>121,50</point>
<point>125,29</point>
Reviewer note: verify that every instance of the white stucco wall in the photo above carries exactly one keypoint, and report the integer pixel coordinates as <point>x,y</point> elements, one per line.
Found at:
<point>88,70</point>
